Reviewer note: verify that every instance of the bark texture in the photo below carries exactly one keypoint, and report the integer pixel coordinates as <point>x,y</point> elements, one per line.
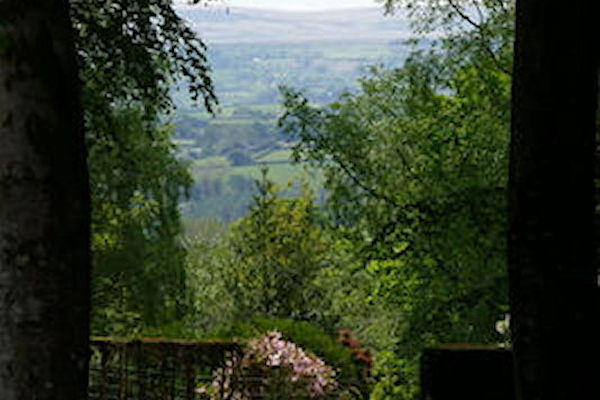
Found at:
<point>44,207</point>
<point>553,283</point>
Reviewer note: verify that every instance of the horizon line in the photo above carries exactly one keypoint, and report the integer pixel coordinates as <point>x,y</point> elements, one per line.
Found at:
<point>271,9</point>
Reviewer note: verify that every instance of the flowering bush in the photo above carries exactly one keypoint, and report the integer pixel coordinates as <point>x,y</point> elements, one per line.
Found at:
<point>359,354</point>
<point>361,357</point>
<point>503,328</point>
<point>273,368</point>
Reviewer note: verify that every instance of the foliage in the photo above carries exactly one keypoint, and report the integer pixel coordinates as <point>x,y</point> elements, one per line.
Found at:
<point>448,187</point>
<point>478,31</point>
<point>130,53</point>
<point>278,248</point>
<point>138,262</point>
<point>416,167</point>
<point>273,368</point>
<point>209,260</point>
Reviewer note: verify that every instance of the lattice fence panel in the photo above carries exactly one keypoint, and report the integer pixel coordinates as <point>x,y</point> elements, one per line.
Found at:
<point>153,369</point>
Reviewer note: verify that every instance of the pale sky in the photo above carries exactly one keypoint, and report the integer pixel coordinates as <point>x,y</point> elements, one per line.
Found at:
<point>296,5</point>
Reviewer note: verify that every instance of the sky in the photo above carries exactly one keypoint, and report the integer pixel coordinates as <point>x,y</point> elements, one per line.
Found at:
<point>296,5</point>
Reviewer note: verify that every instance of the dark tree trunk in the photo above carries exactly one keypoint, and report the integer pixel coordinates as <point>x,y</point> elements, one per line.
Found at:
<point>552,269</point>
<point>44,207</point>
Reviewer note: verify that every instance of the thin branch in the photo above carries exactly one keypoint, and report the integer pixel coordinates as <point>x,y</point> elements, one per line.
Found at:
<point>501,5</point>
<point>363,186</point>
<point>404,161</point>
<point>482,34</point>
<point>479,12</point>
<point>464,16</point>
<point>496,61</point>
<point>347,170</point>
<point>428,207</point>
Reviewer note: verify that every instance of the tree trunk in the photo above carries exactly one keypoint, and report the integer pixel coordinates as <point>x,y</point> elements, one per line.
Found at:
<point>44,207</point>
<point>553,282</point>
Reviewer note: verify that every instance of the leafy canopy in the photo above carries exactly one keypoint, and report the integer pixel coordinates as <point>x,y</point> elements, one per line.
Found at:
<point>416,168</point>
<point>131,53</point>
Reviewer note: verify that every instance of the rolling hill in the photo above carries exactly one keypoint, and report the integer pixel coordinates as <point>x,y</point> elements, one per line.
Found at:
<point>245,25</point>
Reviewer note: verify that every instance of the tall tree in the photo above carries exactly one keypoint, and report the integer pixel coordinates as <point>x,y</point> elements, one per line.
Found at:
<point>44,206</point>
<point>416,166</point>
<point>552,269</point>
<point>278,248</point>
<point>138,273</point>
<point>130,54</point>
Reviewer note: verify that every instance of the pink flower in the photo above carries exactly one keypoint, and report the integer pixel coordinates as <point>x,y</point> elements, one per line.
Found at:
<point>253,374</point>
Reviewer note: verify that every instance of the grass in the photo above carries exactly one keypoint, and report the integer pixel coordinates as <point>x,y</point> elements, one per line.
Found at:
<point>281,174</point>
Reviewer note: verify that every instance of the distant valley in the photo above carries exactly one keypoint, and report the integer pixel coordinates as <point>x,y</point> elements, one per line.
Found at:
<point>252,53</point>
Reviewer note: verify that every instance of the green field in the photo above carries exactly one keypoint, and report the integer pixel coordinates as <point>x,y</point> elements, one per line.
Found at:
<point>223,191</point>
<point>280,169</point>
